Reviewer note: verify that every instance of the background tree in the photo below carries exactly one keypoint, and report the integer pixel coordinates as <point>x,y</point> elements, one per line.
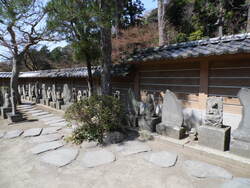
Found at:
<point>74,21</point>
<point>20,28</point>
<point>162,22</point>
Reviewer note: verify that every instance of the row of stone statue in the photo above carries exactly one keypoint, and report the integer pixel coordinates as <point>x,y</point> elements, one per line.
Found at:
<point>167,119</point>
<point>51,95</point>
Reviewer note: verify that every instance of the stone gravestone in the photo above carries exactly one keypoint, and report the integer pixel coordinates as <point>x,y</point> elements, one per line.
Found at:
<point>79,96</point>
<point>6,108</point>
<point>148,119</point>
<point>49,96</point>
<point>67,96</point>
<point>214,134</point>
<point>37,92</point>
<point>132,109</point>
<point>53,96</point>
<point>59,100</point>
<point>240,144</point>
<point>44,95</point>
<point>172,117</point>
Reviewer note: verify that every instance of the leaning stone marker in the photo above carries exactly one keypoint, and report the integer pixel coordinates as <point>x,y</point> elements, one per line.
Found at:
<point>172,117</point>
<point>237,183</point>
<point>32,132</point>
<point>162,159</point>
<point>46,147</point>
<point>60,157</point>
<point>13,134</point>
<point>240,144</point>
<point>96,158</point>
<point>204,170</point>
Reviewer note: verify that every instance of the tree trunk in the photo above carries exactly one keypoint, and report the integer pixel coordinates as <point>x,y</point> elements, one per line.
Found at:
<point>90,78</point>
<point>106,49</point>
<point>118,13</point>
<point>15,99</point>
<point>248,19</point>
<point>162,4</point>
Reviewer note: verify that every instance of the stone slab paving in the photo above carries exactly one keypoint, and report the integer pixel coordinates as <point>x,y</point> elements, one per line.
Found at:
<point>162,159</point>
<point>132,147</point>
<point>32,132</point>
<point>59,124</point>
<point>40,148</point>
<point>237,183</point>
<point>45,116</point>
<point>13,134</point>
<point>50,118</point>
<point>96,158</point>
<point>50,130</point>
<point>54,121</point>
<point>46,138</point>
<point>39,113</point>
<point>204,170</point>
<point>34,111</point>
<point>2,134</point>
<point>60,157</point>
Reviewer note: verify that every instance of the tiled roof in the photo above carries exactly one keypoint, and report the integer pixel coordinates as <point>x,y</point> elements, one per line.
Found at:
<point>214,46</point>
<point>117,70</point>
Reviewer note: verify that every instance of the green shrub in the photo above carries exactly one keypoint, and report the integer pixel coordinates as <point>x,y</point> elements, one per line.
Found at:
<point>96,116</point>
<point>197,35</point>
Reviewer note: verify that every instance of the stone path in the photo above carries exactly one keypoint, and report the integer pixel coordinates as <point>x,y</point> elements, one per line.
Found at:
<point>13,134</point>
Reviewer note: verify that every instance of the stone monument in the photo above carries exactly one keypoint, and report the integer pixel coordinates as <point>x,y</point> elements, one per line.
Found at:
<point>6,108</point>
<point>148,118</point>
<point>59,100</point>
<point>53,96</point>
<point>213,133</point>
<point>49,96</point>
<point>172,117</point>
<point>67,96</point>
<point>133,107</point>
<point>44,95</point>
<point>240,144</point>
<point>74,95</point>
<point>79,96</point>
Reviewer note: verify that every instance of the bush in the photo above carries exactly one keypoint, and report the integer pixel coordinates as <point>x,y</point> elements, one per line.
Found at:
<point>96,116</point>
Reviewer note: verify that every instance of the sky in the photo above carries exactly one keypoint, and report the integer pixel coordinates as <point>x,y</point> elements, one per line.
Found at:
<point>148,4</point>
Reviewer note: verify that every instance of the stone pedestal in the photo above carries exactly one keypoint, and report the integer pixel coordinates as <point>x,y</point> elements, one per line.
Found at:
<point>148,124</point>
<point>52,104</point>
<point>171,131</point>
<point>14,118</point>
<point>4,112</point>
<point>59,105</point>
<point>240,148</point>
<point>214,137</point>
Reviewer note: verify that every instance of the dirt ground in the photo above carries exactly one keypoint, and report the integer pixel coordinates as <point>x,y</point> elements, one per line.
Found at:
<point>19,168</point>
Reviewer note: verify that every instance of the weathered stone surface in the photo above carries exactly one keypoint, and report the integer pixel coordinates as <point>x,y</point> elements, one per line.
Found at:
<point>162,159</point>
<point>59,124</point>
<point>172,117</point>
<point>60,157</point>
<point>54,121</point>
<point>46,138</point>
<point>113,137</point>
<point>96,158</point>
<point>46,147</point>
<point>148,124</point>
<point>50,130</point>
<point>40,113</point>
<point>215,137</point>
<point>2,134</point>
<point>34,111</point>
<point>132,147</point>
<point>240,144</point>
<point>237,183</point>
<point>178,182</point>
<point>45,116</point>
<point>32,132</point>
<point>13,134</point>
<point>214,112</point>
<point>204,170</point>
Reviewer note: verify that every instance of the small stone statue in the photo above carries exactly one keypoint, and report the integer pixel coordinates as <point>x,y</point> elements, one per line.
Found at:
<point>7,102</point>
<point>214,112</point>
<point>85,94</point>
<point>149,110</point>
<point>117,94</point>
<point>58,96</point>
<point>49,94</point>
<point>74,95</point>
<point>79,95</point>
<point>44,93</point>
<point>53,93</point>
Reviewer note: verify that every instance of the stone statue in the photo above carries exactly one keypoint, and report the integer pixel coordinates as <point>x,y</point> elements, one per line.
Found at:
<point>58,96</point>
<point>53,93</point>
<point>149,106</point>
<point>74,95</point>
<point>117,94</point>
<point>85,94</point>
<point>172,117</point>
<point>132,109</point>
<point>49,94</point>
<point>44,93</point>
<point>214,112</point>
<point>7,102</point>
<point>79,95</point>
<point>66,94</point>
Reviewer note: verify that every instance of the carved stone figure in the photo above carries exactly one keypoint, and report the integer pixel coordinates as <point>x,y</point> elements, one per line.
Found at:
<point>85,93</point>
<point>49,94</point>
<point>240,144</point>
<point>66,93</point>
<point>79,95</point>
<point>7,102</point>
<point>132,109</point>
<point>214,112</point>
<point>44,93</point>
<point>172,117</point>
<point>74,95</point>
<point>117,94</point>
<point>53,93</point>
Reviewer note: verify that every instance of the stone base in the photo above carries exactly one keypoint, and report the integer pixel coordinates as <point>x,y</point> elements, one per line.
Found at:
<point>66,106</point>
<point>171,131</point>
<point>42,101</point>
<point>214,137</point>
<point>47,102</point>
<point>240,148</point>
<point>59,105</point>
<point>14,118</point>
<point>148,124</point>
<point>4,112</point>
<point>52,104</point>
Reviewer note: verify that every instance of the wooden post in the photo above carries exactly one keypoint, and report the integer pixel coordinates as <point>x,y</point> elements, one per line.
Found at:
<point>203,92</point>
